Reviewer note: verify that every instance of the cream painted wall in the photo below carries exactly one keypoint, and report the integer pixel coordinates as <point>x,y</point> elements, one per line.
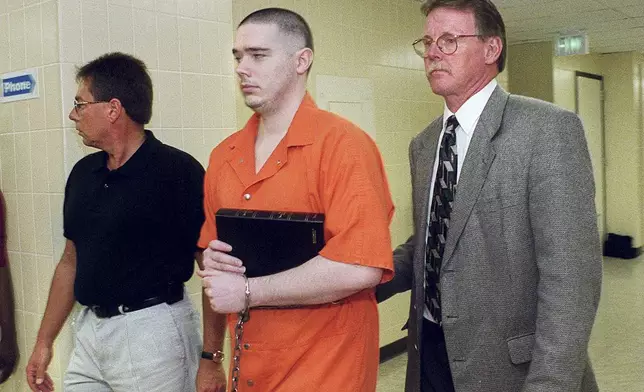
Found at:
<point>640,61</point>
<point>590,63</point>
<point>623,145</point>
<point>31,164</point>
<point>530,70</point>
<point>564,68</point>
<point>564,88</point>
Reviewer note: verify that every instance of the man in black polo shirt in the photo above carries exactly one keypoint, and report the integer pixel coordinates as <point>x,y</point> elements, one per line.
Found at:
<point>132,215</point>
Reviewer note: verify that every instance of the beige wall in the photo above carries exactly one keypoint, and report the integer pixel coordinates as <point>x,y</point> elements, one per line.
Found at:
<point>624,167</point>
<point>564,68</point>
<point>590,63</point>
<point>31,161</point>
<point>640,64</point>
<point>530,70</point>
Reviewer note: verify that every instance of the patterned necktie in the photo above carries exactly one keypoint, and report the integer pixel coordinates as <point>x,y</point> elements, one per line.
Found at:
<point>441,208</point>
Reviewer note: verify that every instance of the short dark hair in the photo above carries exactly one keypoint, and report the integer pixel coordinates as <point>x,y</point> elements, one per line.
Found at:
<point>289,22</point>
<point>489,22</point>
<point>121,76</point>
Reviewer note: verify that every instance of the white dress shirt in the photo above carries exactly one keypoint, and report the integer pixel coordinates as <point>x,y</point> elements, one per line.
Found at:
<point>468,117</point>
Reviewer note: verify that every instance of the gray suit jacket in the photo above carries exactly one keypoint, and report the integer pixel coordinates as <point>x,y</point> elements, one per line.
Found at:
<point>521,273</point>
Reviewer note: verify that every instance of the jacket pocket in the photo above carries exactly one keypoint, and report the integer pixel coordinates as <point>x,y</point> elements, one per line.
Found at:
<point>491,204</point>
<point>520,348</point>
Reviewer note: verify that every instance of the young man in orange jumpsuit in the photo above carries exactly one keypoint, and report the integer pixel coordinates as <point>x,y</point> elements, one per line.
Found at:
<point>292,156</point>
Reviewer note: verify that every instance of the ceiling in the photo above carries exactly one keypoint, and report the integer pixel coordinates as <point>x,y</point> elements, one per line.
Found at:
<point>611,25</point>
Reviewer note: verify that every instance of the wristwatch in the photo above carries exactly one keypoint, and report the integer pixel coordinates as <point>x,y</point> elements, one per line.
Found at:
<point>217,356</point>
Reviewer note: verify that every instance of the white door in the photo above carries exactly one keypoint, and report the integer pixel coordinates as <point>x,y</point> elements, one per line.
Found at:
<point>591,111</point>
<point>351,98</point>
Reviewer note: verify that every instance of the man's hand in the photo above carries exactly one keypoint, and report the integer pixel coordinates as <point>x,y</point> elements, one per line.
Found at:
<point>226,291</point>
<point>216,257</point>
<point>222,279</point>
<point>37,377</point>
<point>211,377</point>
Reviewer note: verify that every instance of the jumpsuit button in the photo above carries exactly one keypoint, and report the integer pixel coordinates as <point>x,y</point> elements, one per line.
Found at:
<point>250,383</point>
<point>247,196</point>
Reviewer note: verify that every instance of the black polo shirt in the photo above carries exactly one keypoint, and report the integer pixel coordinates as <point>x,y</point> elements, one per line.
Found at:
<point>135,228</point>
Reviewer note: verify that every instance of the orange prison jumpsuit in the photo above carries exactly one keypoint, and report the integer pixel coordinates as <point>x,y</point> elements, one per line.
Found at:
<point>323,164</point>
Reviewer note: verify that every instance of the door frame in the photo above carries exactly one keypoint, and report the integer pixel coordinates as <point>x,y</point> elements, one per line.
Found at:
<point>580,74</point>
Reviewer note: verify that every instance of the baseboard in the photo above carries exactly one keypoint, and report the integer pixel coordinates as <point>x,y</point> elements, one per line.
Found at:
<point>393,349</point>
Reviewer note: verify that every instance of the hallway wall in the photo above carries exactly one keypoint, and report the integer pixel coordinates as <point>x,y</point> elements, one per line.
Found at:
<point>32,174</point>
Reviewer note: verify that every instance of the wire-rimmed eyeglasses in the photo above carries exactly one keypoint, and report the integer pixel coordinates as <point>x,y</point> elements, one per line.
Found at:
<point>79,104</point>
<point>447,43</point>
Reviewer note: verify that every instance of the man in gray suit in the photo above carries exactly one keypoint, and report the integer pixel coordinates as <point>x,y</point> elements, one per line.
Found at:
<point>505,265</point>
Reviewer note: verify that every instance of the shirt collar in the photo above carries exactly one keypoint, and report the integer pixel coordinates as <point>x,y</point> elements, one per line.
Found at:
<point>137,161</point>
<point>469,113</point>
<point>300,132</point>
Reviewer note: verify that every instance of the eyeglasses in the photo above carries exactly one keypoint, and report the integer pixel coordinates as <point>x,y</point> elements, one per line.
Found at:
<point>79,104</point>
<point>447,43</point>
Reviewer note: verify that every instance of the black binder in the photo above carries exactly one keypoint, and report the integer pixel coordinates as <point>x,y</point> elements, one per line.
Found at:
<point>268,242</point>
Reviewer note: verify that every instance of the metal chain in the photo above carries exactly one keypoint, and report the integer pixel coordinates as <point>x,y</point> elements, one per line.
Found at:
<point>243,316</point>
<point>239,331</point>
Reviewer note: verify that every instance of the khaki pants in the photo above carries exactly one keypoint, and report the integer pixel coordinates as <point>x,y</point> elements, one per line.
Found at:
<point>156,349</point>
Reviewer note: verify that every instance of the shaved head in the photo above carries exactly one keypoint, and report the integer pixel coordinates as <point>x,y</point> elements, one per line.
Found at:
<point>288,22</point>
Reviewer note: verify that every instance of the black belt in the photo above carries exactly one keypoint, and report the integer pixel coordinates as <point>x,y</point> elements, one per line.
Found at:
<point>174,295</point>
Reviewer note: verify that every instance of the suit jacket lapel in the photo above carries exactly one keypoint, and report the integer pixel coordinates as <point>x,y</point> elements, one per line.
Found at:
<point>478,160</point>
